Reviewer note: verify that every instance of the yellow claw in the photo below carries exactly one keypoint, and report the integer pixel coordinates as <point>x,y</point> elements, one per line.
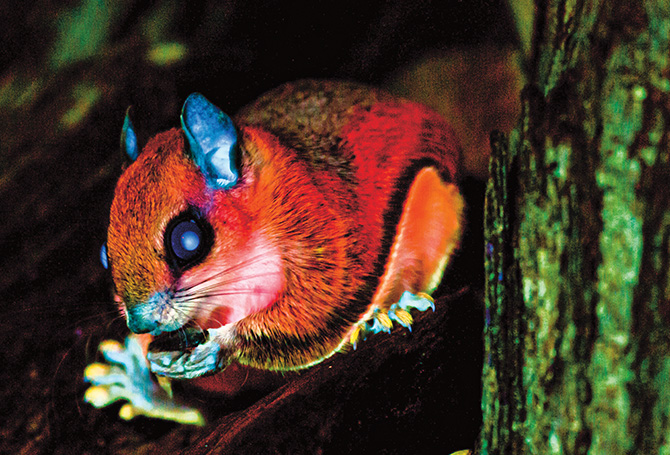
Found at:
<point>384,320</point>
<point>165,384</point>
<point>404,316</point>
<point>95,370</point>
<point>97,396</point>
<point>110,346</point>
<point>427,297</point>
<point>127,411</point>
<point>355,334</point>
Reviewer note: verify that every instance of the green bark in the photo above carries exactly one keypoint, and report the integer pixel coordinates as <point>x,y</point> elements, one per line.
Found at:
<point>578,225</point>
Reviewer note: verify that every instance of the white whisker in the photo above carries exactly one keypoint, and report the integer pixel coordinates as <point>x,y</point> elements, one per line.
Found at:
<point>189,297</point>
<point>204,287</point>
<point>227,271</point>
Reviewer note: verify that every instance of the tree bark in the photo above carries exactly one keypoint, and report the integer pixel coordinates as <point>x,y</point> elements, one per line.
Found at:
<point>578,228</point>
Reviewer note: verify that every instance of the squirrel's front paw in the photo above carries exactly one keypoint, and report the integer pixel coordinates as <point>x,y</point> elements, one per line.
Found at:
<point>127,377</point>
<point>205,358</point>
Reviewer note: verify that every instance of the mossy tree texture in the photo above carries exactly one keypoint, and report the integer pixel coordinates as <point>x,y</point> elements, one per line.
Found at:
<point>577,331</point>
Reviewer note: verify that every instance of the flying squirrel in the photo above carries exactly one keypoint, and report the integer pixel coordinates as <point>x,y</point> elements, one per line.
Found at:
<point>320,213</point>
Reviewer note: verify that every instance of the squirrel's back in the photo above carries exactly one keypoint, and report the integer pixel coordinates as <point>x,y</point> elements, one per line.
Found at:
<point>362,147</point>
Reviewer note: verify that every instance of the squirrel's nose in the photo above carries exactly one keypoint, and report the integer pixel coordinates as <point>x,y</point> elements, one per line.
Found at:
<point>144,316</point>
<point>140,323</point>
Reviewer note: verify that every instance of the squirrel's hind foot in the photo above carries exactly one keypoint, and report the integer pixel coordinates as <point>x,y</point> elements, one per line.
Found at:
<point>382,320</point>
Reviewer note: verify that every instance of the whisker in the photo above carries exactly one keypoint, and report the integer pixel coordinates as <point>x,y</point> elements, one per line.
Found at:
<point>71,308</point>
<point>217,284</point>
<point>93,317</point>
<point>182,331</point>
<point>197,295</point>
<point>200,300</point>
<point>228,270</point>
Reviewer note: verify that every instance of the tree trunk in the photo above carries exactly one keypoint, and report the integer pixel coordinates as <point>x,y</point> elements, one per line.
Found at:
<point>577,330</point>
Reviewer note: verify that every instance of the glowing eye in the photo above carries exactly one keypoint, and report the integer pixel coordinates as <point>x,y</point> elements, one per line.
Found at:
<point>188,239</point>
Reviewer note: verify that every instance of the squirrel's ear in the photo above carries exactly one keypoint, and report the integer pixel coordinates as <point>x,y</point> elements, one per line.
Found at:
<point>212,140</point>
<point>129,138</point>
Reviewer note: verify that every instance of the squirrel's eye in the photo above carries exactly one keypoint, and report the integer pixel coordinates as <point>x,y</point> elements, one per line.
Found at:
<point>187,240</point>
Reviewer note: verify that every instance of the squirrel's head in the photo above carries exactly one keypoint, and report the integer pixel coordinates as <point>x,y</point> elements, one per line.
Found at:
<point>178,208</point>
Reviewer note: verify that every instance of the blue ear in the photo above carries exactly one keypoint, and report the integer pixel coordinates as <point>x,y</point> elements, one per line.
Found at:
<point>212,139</point>
<point>129,139</point>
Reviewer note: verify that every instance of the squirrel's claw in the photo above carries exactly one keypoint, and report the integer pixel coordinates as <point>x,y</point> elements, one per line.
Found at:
<point>201,360</point>
<point>127,377</point>
<point>382,321</point>
<point>205,358</point>
<point>421,301</point>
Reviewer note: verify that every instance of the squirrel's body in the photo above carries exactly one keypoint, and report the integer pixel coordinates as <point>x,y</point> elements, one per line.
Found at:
<point>342,201</point>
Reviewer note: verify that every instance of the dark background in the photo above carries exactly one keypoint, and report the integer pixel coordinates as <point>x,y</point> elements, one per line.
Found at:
<point>70,69</point>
